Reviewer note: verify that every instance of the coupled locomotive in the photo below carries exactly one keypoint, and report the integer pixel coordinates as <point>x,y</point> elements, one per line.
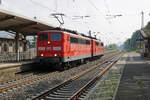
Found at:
<point>63,47</point>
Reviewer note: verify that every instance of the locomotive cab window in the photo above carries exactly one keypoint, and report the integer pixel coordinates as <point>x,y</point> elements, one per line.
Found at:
<point>55,37</point>
<point>97,43</point>
<point>43,37</point>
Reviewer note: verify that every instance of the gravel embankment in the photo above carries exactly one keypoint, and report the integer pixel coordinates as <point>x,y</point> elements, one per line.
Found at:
<point>106,88</point>
<point>28,91</point>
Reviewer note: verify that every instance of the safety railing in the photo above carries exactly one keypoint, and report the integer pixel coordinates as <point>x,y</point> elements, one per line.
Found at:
<point>16,57</point>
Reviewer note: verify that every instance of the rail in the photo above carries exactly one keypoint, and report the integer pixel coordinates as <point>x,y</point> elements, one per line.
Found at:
<point>92,81</point>
<point>70,82</point>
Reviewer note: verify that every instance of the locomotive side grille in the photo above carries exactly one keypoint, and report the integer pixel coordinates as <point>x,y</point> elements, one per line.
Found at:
<point>56,48</point>
<point>41,48</point>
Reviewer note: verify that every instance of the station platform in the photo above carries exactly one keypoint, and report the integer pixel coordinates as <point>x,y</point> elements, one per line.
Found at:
<point>9,65</point>
<point>135,80</point>
<point>8,70</point>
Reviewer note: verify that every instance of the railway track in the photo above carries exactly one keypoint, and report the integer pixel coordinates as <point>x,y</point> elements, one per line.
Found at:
<point>72,88</point>
<point>23,80</point>
<point>8,70</point>
<point>16,78</point>
<point>29,78</point>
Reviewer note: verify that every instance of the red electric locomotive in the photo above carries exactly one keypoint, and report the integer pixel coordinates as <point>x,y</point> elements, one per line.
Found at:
<point>97,47</point>
<point>61,47</point>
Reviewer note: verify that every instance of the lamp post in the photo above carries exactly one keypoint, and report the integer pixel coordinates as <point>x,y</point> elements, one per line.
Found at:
<point>142,20</point>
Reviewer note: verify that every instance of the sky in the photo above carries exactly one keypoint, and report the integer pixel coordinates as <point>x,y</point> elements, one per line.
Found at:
<point>101,20</point>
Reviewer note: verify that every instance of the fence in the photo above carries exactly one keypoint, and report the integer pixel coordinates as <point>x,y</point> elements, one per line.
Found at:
<point>12,57</point>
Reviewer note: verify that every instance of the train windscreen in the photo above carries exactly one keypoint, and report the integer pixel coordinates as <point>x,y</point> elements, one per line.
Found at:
<point>43,37</point>
<point>55,37</point>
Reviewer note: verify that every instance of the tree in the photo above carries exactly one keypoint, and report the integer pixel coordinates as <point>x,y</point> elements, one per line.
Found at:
<point>147,27</point>
<point>112,46</point>
<point>132,44</point>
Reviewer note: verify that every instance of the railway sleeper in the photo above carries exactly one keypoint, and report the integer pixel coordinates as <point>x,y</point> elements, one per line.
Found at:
<point>68,94</point>
<point>54,98</point>
<point>58,96</point>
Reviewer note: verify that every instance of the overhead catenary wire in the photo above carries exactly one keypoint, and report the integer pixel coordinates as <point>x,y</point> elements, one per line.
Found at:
<point>106,5</point>
<point>56,5</point>
<point>99,12</point>
<point>78,8</point>
<point>37,3</point>
<point>92,4</point>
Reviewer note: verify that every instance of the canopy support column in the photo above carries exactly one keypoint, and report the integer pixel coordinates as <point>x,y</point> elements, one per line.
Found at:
<point>25,43</point>
<point>17,46</point>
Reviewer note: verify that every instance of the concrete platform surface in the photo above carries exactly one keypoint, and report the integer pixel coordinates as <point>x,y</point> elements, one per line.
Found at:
<point>135,81</point>
<point>5,65</point>
<point>8,70</point>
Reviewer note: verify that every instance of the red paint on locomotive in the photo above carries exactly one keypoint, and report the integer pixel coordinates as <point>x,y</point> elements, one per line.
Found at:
<point>60,46</point>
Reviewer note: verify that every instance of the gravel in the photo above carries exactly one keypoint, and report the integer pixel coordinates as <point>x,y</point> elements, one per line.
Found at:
<point>30,90</point>
<point>107,86</point>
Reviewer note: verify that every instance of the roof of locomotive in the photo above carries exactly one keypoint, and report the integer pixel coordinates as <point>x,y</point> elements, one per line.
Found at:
<point>67,31</point>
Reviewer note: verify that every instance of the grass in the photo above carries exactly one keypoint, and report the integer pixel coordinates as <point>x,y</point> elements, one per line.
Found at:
<point>107,87</point>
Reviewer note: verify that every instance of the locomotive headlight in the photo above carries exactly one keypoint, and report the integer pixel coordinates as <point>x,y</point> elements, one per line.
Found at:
<point>55,55</point>
<point>41,55</point>
<point>48,42</point>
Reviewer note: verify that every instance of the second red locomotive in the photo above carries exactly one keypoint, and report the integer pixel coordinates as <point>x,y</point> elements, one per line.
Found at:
<point>63,47</point>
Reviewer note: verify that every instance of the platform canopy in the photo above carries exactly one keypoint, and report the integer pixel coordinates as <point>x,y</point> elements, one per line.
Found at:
<point>12,22</point>
<point>145,34</point>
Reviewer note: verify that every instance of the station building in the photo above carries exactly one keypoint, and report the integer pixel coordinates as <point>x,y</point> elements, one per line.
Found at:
<point>19,25</point>
<point>8,48</point>
<point>7,45</point>
<point>145,43</point>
